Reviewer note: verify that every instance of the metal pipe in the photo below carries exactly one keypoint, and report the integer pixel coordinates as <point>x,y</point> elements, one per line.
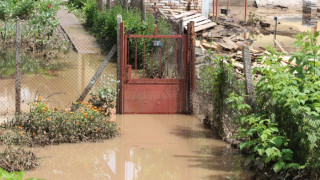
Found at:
<point>245,10</point>
<point>217,9</point>
<point>136,56</point>
<point>213,6</point>
<point>228,6</point>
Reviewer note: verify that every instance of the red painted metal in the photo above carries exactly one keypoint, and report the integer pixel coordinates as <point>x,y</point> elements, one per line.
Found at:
<point>158,94</point>
<point>217,1</point>
<point>136,56</point>
<point>213,6</point>
<point>144,57</point>
<point>168,59</point>
<point>160,63</point>
<point>175,57</point>
<point>156,36</point>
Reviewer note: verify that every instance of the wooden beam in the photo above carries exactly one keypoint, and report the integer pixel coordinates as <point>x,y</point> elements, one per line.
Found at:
<point>191,17</point>
<point>185,14</point>
<point>202,22</point>
<point>230,42</point>
<point>201,18</point>
<point>206,26</point>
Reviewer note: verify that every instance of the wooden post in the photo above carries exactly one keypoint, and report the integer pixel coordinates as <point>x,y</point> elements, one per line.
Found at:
<point>213,6</point>
<point>245,10</point>
<point>217,1</point>
<point>100,5</point>
<point>248,78</point>
<point>108,4</point>
<point>191,64</point>
<point>143,10</point>
<point>126,5</point>
<point>18,67</point>
<point>119,21</point>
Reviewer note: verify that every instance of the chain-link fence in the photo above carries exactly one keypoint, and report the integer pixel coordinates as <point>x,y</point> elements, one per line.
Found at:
<point>217,79</point>
<point>52,66</point>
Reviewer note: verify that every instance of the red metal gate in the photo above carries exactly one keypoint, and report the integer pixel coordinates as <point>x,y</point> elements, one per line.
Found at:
<point>154,73</point>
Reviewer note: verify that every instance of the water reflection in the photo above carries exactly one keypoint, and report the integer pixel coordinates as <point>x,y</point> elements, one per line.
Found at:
<point>150,147</point>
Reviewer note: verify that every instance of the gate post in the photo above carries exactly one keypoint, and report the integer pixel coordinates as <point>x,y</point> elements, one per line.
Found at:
<point>121,56</point>
<point>119,21</point>
<point>191,66</point>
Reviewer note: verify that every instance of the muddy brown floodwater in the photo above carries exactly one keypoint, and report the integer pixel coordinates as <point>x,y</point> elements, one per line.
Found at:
<point>150,147</point>
<point>61,87</point>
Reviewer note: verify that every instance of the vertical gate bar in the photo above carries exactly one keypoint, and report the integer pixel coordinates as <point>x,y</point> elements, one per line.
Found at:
<point>168,58</point>
<point>136,56</point>
<point>185,79</point>
<point>128,50</point>
<point>122,62</point>
<point>152,61</point>
<point>160,68</point>
<point>176,57</point>
<point>144,57</point>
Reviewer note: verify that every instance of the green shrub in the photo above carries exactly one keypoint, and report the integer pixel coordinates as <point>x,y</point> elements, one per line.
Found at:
<point>45,126</point>
<point>285,134</point>
<point>283,137</point>
<point>77,3</point>
<point>16,159</point>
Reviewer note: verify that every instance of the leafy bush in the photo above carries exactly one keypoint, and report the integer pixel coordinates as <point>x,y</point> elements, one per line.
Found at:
<point>45,126</point>
<point>77,3</point>
<point>103,25</point>
<point>217,82</point>
<point>284,135</point>
<point>103,99</point>
<point>16,159</point>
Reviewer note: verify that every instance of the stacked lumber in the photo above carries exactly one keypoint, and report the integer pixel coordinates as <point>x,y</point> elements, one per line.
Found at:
<point>175,16</point>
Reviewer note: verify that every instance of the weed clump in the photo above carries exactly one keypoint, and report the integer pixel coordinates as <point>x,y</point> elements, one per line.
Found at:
<point>17,159</point>
<point>44,125</point>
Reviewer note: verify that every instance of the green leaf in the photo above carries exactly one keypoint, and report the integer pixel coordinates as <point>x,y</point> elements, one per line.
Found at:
<point>277,141</point>
<point>292,166</point>
<point>246,144</point>
<point>278,166</point>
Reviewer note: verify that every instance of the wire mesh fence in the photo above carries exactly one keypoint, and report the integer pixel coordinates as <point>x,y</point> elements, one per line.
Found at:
<point>52,66</point>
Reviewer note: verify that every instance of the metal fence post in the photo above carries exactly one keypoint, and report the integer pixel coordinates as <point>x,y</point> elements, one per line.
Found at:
<point>143,9</point>
<point>119,21</point>
<point>18,68</point>
<point>248,78</point>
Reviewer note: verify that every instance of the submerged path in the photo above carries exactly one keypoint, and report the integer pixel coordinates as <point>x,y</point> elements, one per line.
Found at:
<point>150,147</point>
<point>80,38</point>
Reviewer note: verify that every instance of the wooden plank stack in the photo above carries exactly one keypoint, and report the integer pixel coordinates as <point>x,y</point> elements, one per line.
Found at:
<point>201,22</point>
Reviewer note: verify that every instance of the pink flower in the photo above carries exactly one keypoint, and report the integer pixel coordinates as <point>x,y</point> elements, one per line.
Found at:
<point>49,6</point>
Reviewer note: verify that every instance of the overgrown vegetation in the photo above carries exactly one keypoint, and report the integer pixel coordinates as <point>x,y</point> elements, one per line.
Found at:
<point>16,175</point>
<point>283,137</point>
<point>46,126</point>
<point>37,28</point>
<point>16,159</point>
<point>103,25</point>
<point>217,82</point>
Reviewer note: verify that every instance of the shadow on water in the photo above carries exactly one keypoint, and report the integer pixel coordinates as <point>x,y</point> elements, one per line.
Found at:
<point>191,133</point>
